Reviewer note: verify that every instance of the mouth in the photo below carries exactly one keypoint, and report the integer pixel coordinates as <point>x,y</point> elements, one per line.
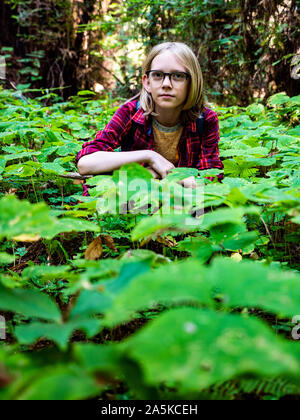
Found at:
<point>166,96</point>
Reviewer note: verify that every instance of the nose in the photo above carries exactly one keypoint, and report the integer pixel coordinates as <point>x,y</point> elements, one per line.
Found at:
<point>167,80</point>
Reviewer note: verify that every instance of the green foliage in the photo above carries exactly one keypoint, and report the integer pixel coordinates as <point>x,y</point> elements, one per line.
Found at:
<point>195,348</point>
<point>205,311</point>
<point>19,219</point>
<point>30,303</point>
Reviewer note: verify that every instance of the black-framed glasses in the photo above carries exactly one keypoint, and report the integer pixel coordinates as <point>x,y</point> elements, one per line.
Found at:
<point>176,76</point>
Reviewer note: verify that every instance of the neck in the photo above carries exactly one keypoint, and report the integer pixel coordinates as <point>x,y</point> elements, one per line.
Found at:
<point>168,117</point>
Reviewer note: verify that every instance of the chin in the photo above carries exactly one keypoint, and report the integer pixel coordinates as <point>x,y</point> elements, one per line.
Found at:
<point>167,103</point>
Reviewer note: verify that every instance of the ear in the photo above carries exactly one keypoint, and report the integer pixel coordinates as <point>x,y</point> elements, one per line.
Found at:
<point>146,83</point>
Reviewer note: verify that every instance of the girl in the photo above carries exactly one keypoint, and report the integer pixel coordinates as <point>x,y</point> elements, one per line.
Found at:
<point>160,130</point>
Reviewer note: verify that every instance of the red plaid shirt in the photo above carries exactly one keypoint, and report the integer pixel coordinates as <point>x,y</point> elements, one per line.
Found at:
<point>192,152</point>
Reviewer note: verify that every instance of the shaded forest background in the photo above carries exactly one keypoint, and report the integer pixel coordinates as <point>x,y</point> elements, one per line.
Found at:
<point>247,48</point>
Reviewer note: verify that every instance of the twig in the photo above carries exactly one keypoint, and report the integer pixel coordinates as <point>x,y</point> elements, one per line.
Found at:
<point>76,175</point>
<point>268,232</point>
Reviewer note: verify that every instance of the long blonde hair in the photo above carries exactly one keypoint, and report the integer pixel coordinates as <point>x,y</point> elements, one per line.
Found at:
<point>195,101</point>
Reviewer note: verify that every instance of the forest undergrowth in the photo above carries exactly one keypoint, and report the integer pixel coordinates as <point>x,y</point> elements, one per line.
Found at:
<point>154,301</point>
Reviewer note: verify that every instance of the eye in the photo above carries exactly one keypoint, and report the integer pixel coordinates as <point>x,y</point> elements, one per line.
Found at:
<point>157,75</point>
<point>178,76</point>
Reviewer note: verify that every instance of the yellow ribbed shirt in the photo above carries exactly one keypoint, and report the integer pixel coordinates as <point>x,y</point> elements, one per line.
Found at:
<point>166,140</point>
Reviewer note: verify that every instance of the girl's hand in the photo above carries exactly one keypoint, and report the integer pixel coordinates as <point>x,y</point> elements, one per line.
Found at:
<point>189,182</point>
<point>160,165</point>
<point>152,172</point>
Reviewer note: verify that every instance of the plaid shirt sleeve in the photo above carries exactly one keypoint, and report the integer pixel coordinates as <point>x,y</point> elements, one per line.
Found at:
<point>209,158</point>
<point>109,139</point>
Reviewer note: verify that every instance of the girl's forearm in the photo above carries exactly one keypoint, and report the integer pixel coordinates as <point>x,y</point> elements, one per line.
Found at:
<point>102,162</point>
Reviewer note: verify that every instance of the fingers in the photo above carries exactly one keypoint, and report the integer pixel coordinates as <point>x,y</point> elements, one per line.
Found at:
<point>189,182</point>
<point>153,172</point>
<point>162,166</point>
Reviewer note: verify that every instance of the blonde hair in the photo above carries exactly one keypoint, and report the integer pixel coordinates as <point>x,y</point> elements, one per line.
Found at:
<point>195,101</point>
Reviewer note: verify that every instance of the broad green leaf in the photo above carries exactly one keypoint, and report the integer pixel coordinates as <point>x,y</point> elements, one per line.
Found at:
<point>22,218</point>
<point>90,302</point>
<point>59,333</point>
<point>6,259</point>
<point>253,284</point>
<point>178,174</point>
<point>29,303</point>
<point>200,247</point>
<point>278,99</point>
<point>100,300</point>
<point>46,272</point>
<point>256,109</point>
<point>296,220</point>
<point>155,225</point>
<point>103,358</point>
<point>61,383</point>
<point>223,217</point>
<point>174,283</point>
<point>70,225</point>
<point>241,241</point>
<point>192,349</point>
<point>21,170</point>
<point>52,167</point>
<point>131,171</point>
<point>128,272</point>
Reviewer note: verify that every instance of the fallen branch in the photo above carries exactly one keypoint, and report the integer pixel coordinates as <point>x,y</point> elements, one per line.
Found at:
<point>76,175</point>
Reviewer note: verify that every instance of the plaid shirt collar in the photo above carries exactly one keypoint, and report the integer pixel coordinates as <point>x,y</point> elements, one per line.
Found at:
<point>140,118</point>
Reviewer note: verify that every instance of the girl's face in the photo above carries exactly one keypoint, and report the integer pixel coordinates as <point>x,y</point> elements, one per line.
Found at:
<point>167,94</point>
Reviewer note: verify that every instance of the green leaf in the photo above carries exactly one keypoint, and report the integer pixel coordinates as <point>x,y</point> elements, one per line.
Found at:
<point>252,284</point>
<point>104,358</point>
<point>176,282</point>
<point>199,247</point>
<point>51,167</point>
<point>85,92</point>
<point>21,170</point>
<point>132,171</point>
<point>6,259</point>
<point>155,225</point>
<point>94,301</point>
<point>278,99</point>
<point>178,174</point>
<point>59,333</point>
<point>46,272</point>
<point>192,349</point>
<point>2,164</point>
<point>70,225</point>
<point>21,217</point>
<point>128,272</point>
<point>30,303</point>
<point>296,220</point>
<point>240,241</point>
<point>256,109</point>
<point>60,383</point>
<point>223,217</point>
<point>90,302</point>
